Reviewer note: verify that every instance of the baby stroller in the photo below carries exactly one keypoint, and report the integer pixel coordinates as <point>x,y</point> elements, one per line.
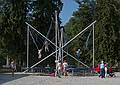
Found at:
<point>111,73</point>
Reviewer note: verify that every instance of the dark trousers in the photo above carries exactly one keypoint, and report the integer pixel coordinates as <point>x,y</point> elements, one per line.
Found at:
<point>102,72</point>
<point>13,70</point>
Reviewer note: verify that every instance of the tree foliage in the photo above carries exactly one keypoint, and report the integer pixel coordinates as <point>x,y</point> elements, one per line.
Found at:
<point>12,26</point>
<point>14,14</point>
<point>81,19</point>
<point>107,30</point>
<point>40,13</point>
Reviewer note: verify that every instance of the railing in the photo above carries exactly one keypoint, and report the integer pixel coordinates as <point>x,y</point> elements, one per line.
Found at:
<point>80,71</point>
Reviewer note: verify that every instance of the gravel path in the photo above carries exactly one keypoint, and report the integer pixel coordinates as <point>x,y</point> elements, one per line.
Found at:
<point>46,80</point>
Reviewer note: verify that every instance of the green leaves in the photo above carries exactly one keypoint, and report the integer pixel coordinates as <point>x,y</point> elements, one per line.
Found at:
<point>81,19</point>
<point>107,29</point>
<point>14,14</point>
<point>12,25</point>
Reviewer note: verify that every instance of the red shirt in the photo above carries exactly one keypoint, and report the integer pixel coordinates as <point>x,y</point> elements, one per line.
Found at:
<point>110,70</point>
<point>97,69</point>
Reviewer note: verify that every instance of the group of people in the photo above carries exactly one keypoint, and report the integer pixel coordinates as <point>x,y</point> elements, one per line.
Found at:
<point>103,70</point>
<point>62,68</point>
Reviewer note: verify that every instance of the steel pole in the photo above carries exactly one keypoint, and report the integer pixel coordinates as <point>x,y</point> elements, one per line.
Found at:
<point>27,46</point>
<point>62,44</point>
<point>93,47</point>
<point>56,41</point>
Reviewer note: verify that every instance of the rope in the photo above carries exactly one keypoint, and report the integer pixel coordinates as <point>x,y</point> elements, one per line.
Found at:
<point>34,40</point>
<point>88,39</point>
<point>45,42</point>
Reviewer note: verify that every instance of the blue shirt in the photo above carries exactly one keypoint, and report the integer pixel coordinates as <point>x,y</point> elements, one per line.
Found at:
<point>102,66</point>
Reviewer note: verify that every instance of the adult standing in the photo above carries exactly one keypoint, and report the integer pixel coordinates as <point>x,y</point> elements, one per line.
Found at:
<point>65,65</point>
<point>106,70</point>
<point>13,66</point>
<point>102,70</point>
<point>58,68</point>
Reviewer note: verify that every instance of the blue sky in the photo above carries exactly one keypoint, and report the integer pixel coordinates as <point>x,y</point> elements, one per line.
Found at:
<point>68,7</point>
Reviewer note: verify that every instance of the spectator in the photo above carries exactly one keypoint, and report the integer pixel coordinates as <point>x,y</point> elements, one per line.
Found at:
<point>102,70</point>
<point>13,67</point>
<point>59,69</point>
<point>97,69</point>
<point>65,65</point>
<point>106,70</point>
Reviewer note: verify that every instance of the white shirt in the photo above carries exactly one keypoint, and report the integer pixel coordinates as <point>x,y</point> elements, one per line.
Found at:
<point>13,65</point>
<point>59,65</point>
<point>65,64</point>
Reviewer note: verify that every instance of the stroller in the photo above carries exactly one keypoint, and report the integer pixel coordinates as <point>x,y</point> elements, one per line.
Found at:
<point>111,72</point>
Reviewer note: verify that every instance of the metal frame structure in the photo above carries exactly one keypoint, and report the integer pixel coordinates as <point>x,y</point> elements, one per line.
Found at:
<point>58,44</point>
<point>57,48</point>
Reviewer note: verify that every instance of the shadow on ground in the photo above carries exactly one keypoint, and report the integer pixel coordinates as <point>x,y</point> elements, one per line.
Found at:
<point>4,78</point>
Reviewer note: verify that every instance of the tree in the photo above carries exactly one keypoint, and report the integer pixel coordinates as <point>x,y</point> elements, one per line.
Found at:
<point>14,14</point>
<point>81,19</point>
<point>41,13</point>
<point>12,28</point>
<point>107,30</point>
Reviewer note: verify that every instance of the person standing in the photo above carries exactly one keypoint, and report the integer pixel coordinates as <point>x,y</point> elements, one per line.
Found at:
<point>58,69</point>
<point>13,67</point>
<point>106,70</point>
<point>65,65</point>
<point>102,70</point>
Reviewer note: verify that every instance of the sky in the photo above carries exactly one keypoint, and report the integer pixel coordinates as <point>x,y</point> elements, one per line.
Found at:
<point>69,6</point>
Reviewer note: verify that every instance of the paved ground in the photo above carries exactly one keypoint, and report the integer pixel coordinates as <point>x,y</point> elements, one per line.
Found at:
<point>20,79</point>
